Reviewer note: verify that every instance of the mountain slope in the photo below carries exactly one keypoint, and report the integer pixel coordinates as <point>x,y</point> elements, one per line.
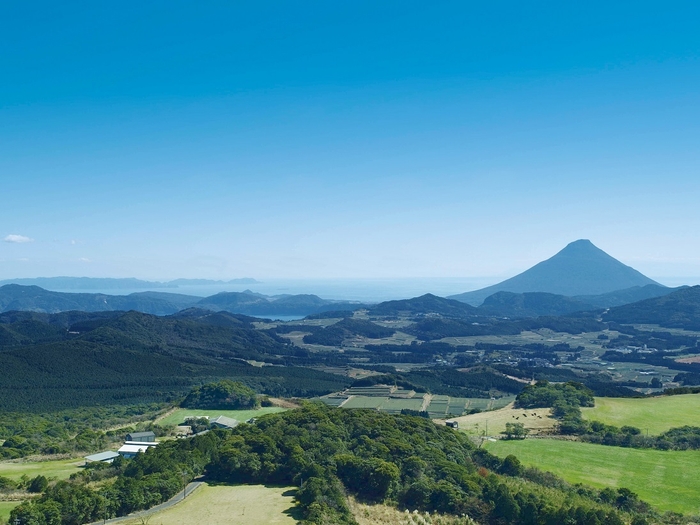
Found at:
<point>680,309</point>
<point>133,357</point>
<point>579,269</point>
<point>626,296</point>
<point>35,299</point>
<point>531,304</point>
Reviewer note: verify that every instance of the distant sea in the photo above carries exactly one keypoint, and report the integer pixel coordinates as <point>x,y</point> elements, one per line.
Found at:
<point>363,290</point>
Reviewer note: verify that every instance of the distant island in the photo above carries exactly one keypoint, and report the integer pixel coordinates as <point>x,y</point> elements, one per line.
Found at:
<point>109,283</point>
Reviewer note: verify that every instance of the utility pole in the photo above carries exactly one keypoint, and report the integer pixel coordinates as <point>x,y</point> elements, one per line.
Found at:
<point>184,484</point>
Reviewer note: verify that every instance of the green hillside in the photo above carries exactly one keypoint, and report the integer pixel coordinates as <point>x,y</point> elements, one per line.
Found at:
<point>131,357</point>
<point>655,414</point>
<point>666,479</point>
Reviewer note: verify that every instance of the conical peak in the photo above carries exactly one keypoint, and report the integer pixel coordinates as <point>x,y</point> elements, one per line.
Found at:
<point>581,268</point>
<point>581,248</point>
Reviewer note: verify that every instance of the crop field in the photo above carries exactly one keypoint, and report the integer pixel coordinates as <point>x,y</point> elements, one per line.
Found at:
<point>225,504</point>
<point>60,469</point>
<point>180,414</point>
<point>545,336</point>
<point>655,414</point>
<point>395,406</point>
<point>494,422</point>
<point>438,406</point>
<point>365,402</point>
<point>386,404</point>
<point>667,480</point>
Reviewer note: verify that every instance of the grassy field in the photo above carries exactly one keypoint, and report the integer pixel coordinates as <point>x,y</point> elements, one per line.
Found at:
<point>180,414</point>
<point>494,422</point>
<point>5,509</point>
<point>225,504</point>
<point>657,414</point>
<point>667,480</point>
<point>60,469</point>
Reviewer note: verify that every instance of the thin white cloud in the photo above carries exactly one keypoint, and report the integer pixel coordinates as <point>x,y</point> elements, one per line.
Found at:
<point>85,260</point>
<point>17,239</point>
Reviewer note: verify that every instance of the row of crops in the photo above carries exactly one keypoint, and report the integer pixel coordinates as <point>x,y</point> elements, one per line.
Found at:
<point>438,408</point>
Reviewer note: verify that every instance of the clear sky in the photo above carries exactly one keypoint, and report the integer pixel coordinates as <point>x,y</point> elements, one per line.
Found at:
<point>346,139</point>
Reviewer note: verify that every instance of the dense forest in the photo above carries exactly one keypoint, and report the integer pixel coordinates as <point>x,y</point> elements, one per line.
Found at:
<point>75,359</point>
<point>401,460</point>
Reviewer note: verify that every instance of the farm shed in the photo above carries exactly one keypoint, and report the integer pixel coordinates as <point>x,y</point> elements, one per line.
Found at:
<point>224,422</point>
<point>131,448</point>
<point>141,436</point>
<point>105,457</point>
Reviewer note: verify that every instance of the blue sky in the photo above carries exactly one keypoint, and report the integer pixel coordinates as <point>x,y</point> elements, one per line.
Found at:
<point>346,139</point>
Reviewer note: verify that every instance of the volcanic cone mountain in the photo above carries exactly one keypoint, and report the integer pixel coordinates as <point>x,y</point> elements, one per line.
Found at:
<point>579,269</point>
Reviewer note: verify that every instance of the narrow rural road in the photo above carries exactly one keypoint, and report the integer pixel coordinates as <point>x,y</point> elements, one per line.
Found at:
<point>177,498</point>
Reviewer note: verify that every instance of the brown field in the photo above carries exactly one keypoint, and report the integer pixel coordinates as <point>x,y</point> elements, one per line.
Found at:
<point>694,359</point>
<point>492,423</point>
<point>226,504</point>
<point>386,515</point>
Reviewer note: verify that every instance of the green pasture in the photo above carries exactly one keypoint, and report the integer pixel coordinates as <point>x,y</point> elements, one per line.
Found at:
<point>60,469</point>
<point>178,417</point>
<point>225,504</point>
<point>668,480</point>
<point>5,509</point>
<point>655,414</point>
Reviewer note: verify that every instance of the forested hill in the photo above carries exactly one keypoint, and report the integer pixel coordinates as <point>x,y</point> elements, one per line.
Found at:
<point>531,304</point>
<point>77,359</point>
<point>35,299</point>
<point>680,309</point>
<point>425,304</point>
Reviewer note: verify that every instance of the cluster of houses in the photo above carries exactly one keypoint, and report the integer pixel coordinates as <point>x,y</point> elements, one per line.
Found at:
<point>137,442</point>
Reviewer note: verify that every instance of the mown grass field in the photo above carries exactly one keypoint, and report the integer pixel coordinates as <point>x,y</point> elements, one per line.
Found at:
<point>494,422</point>
<point>180,414</point>
<point>60,469</point>
<point>657,414</point>
<point>225,504</point>
<point>5,509</point>
<point>667,480</point>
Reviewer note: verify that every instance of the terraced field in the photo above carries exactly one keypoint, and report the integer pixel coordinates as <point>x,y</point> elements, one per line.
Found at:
<point>440,406</point>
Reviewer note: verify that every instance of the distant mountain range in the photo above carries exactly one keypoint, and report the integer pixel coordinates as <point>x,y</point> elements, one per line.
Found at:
<point>36,299</point>
<point>95,283</point>
<point>580,269</point>
<point>581,277</point>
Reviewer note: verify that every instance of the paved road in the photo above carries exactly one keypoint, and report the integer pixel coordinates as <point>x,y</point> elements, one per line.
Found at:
<point>177,498</point>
